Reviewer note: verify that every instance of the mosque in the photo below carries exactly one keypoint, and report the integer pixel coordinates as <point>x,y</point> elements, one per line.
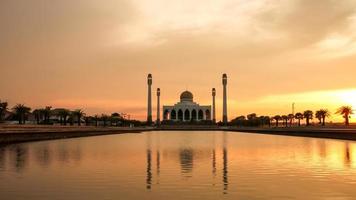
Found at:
<point>186,109</point>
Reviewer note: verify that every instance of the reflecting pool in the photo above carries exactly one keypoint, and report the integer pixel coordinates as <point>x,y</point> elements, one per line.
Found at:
<point>180,165</point>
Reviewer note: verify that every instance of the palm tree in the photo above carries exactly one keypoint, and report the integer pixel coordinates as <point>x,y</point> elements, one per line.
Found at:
<point>115,118</point>
<point>318,116</point>
<point>78,114</point>
<point>308,115</point>
<point>21,111</point>
<point>3,109</point>
<point>63,114</point>
<point>277,118</point>
<point>38,114</point>
<point>346,112</point>
<point>291,118</point>
<point>324,113</point>
<point>105,118</point>
<point>285,119</point>
<point>268,120</point>
<point>299,116</point>
<point>47,113</point>
<point>96,118</point>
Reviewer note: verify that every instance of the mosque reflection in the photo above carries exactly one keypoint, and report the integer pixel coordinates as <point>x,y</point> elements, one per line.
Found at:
<point>187,157</point>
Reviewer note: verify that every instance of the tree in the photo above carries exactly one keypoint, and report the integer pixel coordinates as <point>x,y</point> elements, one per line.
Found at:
<point>277,118</point>
<point>96,119</point>
<point>63,114</point>
<point>38,115</point>
<point>115,118</point>
<point>346,112</point>
<point>78,114</point>
<point>105,118</point>
<point>3,109</point>
<point>324,113</point>
<point>285,120</point>
<point>21,112</point>
<point>251,116</point>
<point>308,115</point>
<point>318,116</point>
<point>291,118</point>
<point>47,113</point>
<point>268,120</point>
<point>299,116</point>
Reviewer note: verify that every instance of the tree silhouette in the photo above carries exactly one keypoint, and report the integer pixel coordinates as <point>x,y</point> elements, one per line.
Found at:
<point>291,118</point>
<point>47,111</point>
<point>299,116</point>
<point>318,116</point>
<point>285,120</point>
<point>277,118</point>
<point>63,114</point>
<point>78,114</point>
<point>38,115</point>
<point>3,109</point>
<point>21,111</point>
<point>104,118</point>
<point>324,113</point>
<point>308,115</point>
<point>96,119</point>
<point>346,112</point>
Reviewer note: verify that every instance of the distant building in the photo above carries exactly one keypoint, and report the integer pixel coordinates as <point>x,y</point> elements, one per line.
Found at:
<point>187,110</point>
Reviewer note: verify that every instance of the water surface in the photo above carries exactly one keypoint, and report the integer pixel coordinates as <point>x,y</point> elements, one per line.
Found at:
<point>180,165</point>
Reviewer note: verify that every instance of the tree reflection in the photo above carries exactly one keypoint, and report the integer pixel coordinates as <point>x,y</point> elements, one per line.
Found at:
<point>43,155</point>
<point>347,157</point>
<point>2,157</point>
<point>19,157</point>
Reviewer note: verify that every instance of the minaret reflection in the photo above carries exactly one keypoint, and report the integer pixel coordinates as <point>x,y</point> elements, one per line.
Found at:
<point>214,158</point>
<point>225,167</point>
<point>158,158</point>
<point>149,165</point>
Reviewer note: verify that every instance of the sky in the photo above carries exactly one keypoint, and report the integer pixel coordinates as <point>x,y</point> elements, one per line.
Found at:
<point>95,55</point>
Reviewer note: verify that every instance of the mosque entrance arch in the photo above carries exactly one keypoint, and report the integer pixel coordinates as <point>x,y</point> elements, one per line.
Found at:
<point>180,115</point>
<point>186,115</point>
<point>200,115</point>
<point>194,115</point>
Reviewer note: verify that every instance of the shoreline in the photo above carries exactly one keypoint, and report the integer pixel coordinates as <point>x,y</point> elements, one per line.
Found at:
<point>18,134</point>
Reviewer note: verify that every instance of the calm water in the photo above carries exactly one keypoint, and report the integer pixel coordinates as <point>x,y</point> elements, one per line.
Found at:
<point>180,165</point>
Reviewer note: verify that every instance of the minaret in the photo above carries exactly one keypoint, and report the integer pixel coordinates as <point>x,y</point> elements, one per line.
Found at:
<point>224,81</point>
<point>214,94</point>
<point>149,101</point>
<point>158,107</point>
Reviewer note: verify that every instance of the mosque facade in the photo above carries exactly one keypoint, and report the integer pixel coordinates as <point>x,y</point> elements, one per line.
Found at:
<point>186,110</point>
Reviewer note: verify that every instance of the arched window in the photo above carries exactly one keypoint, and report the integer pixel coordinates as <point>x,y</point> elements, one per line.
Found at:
<point>186,115</point>
<point>194,114</point>
<point>207,115</point>
<point>173,115</point>
<point>180,115</point>
<point>200,115</point>
<point>166,115</point>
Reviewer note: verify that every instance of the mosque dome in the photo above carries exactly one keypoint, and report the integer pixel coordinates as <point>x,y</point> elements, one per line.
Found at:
<point>186,96</point>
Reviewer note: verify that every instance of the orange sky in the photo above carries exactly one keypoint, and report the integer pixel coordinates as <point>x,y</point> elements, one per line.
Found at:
<point>95,55</point>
